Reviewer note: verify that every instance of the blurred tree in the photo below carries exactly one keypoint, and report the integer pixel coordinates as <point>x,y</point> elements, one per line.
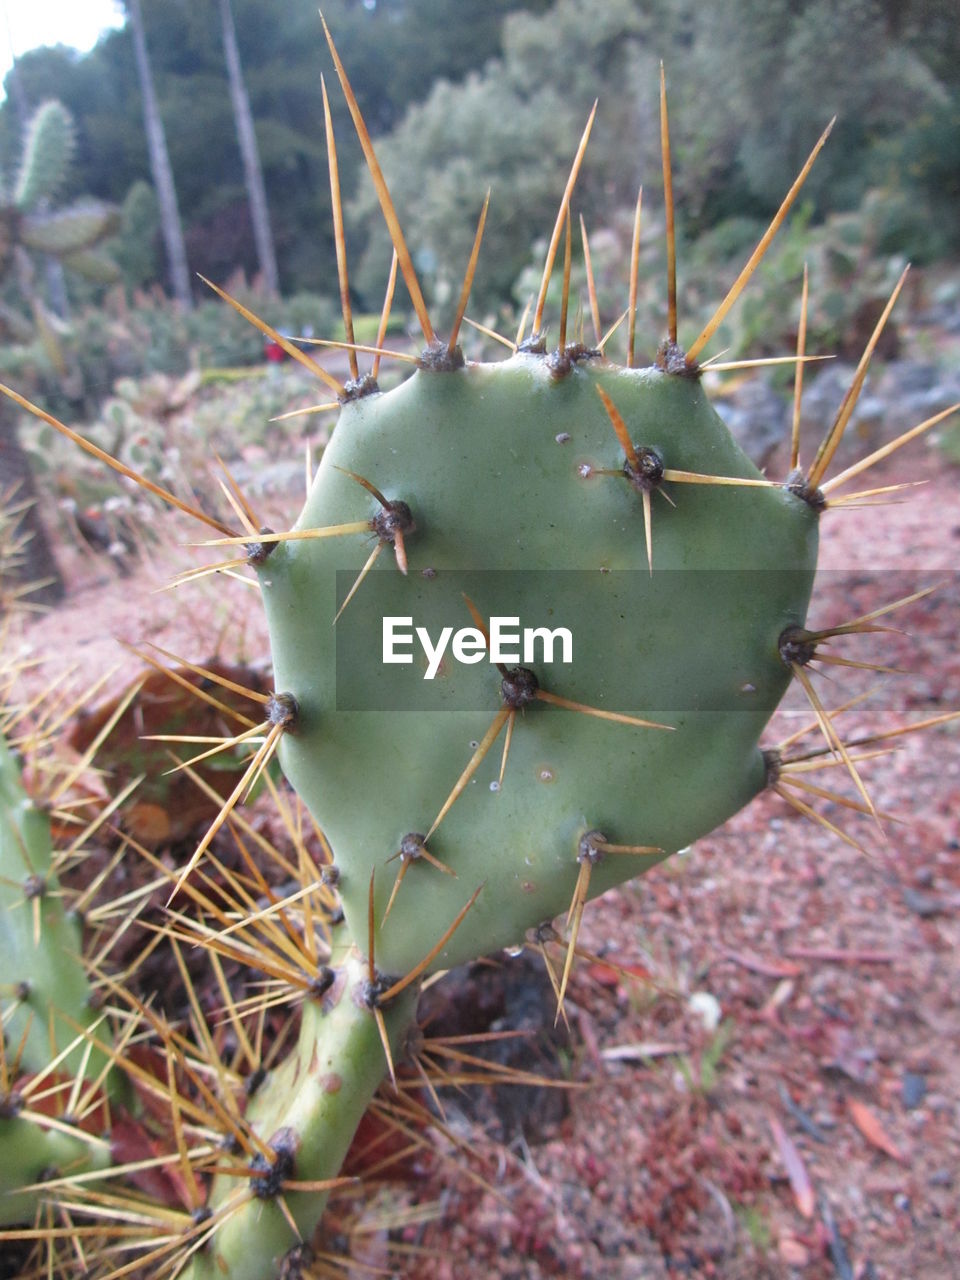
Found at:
<point>393,47</point>
<point>515,127</point>
<point>135,250</point>
<point>160,164</point>
<point>247,138</point>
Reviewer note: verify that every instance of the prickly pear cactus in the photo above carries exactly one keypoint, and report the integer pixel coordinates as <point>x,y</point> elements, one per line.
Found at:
<point>526,634</point>
<point>50,1011</point>
<point>518,496</point>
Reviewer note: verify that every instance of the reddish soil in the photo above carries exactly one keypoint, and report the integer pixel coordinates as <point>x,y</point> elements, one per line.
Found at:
<point>834,972</point>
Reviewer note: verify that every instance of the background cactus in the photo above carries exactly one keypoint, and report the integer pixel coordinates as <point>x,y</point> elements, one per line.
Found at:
<point>531,488</point>
<point>70,234</point>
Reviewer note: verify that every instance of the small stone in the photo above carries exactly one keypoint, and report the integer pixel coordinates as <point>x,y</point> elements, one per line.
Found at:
<point>707,1008</point>
<point>922,904</point>
<point>913,1089</point>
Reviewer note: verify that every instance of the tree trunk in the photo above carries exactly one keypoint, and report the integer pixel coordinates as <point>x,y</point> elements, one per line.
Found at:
<point>246,136</point>
<point>34,562</point>
<point>160,164</point>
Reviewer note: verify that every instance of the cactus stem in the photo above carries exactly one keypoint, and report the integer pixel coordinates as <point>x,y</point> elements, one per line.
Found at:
<point>831,442</point>
<point>757,256</point>
<point>634,282</point>
<point>338,231</point>
<point>668,210</point>
<point>468,276</point>
<point>559,224</point>
<point>798,373</point>
<point>383,195</point>
<point>591,281</point>
<point>164,494</point>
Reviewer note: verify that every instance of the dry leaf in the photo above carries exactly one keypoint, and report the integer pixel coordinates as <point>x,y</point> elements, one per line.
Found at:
<point>873,1130</point>
<point>796,1170</point>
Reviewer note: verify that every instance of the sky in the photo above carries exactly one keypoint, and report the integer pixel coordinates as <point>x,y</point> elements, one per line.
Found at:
<point>25,24</point>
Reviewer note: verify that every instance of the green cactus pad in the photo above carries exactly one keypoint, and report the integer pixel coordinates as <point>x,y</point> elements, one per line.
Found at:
<point>46,992</point>
<point>71,230</point>
<point>500,465</point>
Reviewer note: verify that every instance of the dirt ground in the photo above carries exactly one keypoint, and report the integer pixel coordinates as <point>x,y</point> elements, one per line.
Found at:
<point>814,1130</point>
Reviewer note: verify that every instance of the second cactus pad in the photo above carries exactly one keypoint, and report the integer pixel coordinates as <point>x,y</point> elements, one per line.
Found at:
<point>514,500</point>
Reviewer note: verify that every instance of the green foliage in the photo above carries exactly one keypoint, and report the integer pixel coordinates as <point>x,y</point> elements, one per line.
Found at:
<point>135,248</point>
<point>392,65</point>
<point>512,128</point>
<point>102,345</point>
<point>915,212</point>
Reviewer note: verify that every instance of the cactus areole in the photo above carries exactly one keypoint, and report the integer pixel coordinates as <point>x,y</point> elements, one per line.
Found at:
<point>518,500</point>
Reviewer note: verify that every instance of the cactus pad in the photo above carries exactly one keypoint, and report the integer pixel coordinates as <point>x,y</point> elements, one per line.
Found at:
<point>514,478</point>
